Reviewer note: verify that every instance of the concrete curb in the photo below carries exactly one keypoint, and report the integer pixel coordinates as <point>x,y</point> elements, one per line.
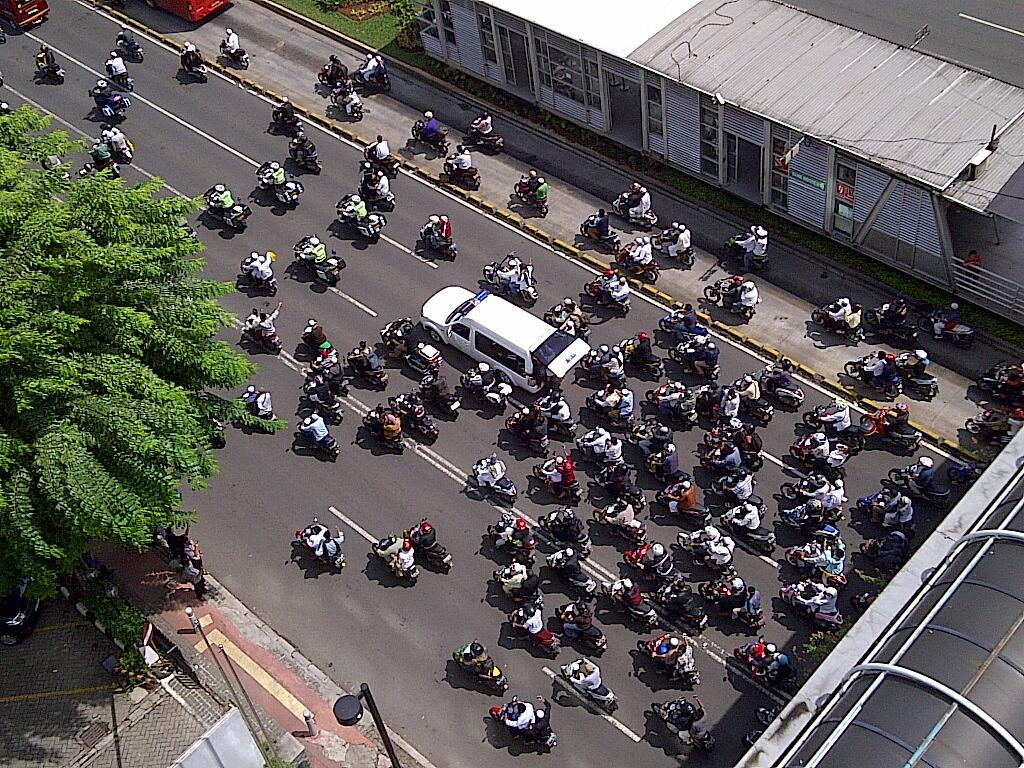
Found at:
<point>518,221</point>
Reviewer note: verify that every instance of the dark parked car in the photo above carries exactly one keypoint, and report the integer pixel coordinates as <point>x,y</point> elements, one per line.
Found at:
<point>18,615</point>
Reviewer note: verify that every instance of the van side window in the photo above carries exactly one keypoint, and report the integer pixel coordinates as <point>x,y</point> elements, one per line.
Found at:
<point>462,330</point>
<point>500,354</point>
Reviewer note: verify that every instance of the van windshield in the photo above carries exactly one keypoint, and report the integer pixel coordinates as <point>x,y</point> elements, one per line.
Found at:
<point>553,346</point>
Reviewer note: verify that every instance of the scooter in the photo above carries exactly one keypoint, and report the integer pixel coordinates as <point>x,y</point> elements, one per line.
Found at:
<point>412,573</point>
<point>642,612</point>
<point>611,241</point>
<point>656,649</point>
<point>502,487</point>
<point>491,675</point>
<point>649,272</point>
<point>593,290</point>
<point>464,177</point>
<point>331,553</point>
<point>526,294</point>
<point>939,497</point>
<point>821,317</point>
<point>592,636</point>
<point>238,57</point>
<point>962,335</point>
<point>492,142</point>
<point>873,424</point>
<point>601,695</point>
<point>525,196</point>
<point>539,734</point>
<point>789,594</point>
<point>438,142</point>
<point>645,221</point>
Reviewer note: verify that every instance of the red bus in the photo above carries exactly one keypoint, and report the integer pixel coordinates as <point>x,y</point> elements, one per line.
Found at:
<point>23,13</point>
<point>190,10</point>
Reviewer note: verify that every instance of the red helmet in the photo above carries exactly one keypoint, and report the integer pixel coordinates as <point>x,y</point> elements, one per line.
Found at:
<point>890,358</point>
<point>609,272</point>
<point>406,545</point>
<point>521,524</point>
<point>643,336</point>
<point>426,527</point>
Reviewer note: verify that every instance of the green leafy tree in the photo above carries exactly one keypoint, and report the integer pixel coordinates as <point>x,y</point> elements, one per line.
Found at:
<point>109,367</point>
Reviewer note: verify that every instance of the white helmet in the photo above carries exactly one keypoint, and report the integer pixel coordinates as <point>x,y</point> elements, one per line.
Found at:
<point>568,552</point>
<point>101,83</point>
<point>228,31</point>
<point>831,592</point>
<point>307,421</point>
<point>356,199</point>
<point>658,550</point>
<point>250,389</point>
<point>920,354</point>
<point>844,303</point>
<point>645,240</point>
<point>748,379</point>
<point>760,231</point>
<point>219,188</point>
<point>483,367</point>
<point>275,166</point>
<point>428,114</point>
<point>926,462</point>
<point>435,219</point>
<point>627,583</point>
<point>113,54</point>
<point>254,255</point>
<point>314,241</point>
<point>954,305</point>
<point>711,533</point>
<point>747,285</point>
<point>369,57</point>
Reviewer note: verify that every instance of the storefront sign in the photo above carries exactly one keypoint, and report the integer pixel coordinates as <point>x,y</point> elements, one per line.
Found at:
<point>844,191</point>
<point>819,185</point>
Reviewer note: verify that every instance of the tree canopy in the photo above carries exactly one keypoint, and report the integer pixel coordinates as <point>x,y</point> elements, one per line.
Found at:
<point>109,365</point>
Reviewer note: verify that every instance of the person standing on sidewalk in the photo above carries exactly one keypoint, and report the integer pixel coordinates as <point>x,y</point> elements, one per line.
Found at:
<point>193,572</point>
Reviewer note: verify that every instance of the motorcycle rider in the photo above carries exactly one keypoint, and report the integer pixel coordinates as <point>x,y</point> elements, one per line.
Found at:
<point>261,324</point>
<point>102,94</point>
<point>619,514</point>
<point>561,478</point>
<point>191,58</point>
<point>284,112</point>
<point>221,198</point>
<point>258,267</point>
<point>922,474</point>
<point>703,357</point>
<point>755,244</point>
<point>946,320</point>
<point>638,350</point>
<point>578,618</point>
<point>302,147</point>
<point>596,444</point>
<point>118,142</point>
<point>746,515</point>
<point>509,272</point>
<point>617,402</point>
<point>335,72</point>
<point>125,38</point>
<point>640,253</point>
<point>780,376</point>
<point>351,101</point>
<point>439,232</point>
<point>897,419</point>
<point>899,513</point>
<point>231,42</point>
<point>751,607</point>
<point>894,314</point>
<point>532,425</point>
<point>116,69</point>
<point>614,287</point>
<point>639,203</point>
<point>372,68</point>
<point>681,497</point>
<point>585,675</point>
<point>317,537</point>
<point>913,364</point>
<point>820,599</point>
<point>837,418</point>
<point>431,127</point>
<point>45,59</point>
<point>740,484</point>
<point>601,224</point>
<point>837,312</point>
<point>474,656</point>
<point>679,242</point>
<point>481,127</point>
<point>676,654</point>
<point>314,427</point>
<point>749,389</point>
<point>258,402</point>
<point>747,296</point>
<point>711,547</point>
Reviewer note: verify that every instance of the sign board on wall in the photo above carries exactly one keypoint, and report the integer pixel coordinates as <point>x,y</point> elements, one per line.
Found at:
<point>816,183</point>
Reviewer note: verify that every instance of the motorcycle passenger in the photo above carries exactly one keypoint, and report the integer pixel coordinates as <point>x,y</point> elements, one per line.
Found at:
<point>747,515</point>
<point>740,484</point>
<point>461,160</point>
<point>125,38</point>
<point>619,514</point>
<point>837,418</point>
<point>221,198</point>
<point>748,296</point>
<point>191,58</point>
<point>335,72</point>
<point>755,244</point>
<point>618,403</point>
<point>45,59</point>
<point>373,68</point>
<point>680,240</point>
<point>897,419</point>
<point>439,232</point>
<point>509,272</point>
<point>351,101</point>
<point>780,376</point>
<point>561,477</point>
<point>259,402</point>
<point>639,201</point>
<point>115,67</point>
<point>899,513</point>
<point>712,547</point>
<point>681,497</point>
<point>893,314</point>
<point>259,267</point>
<point>751,607</point>
<point>481,127</point>
<point>318,538</point>
<point>640,254</point>
<point>314,427</point>
<point>302,147</point>
<point>749,389</point>
<point>585,675</point>
<point>837,313</point>
<point>821,599</point>
<point>703,357</point>
<point>913,364</point>
<point>579,618</point>
<point>614,287</point>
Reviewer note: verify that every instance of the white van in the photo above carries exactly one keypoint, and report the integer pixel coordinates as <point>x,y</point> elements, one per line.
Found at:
<point>492,330</point>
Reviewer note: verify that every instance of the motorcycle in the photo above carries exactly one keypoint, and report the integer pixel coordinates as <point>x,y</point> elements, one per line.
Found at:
<point>682,409</point>
<point>852,437</point>
<point>569,568</point>
<point>731,248</point>
<point>307,161</point>
<point>539,734</point>
<point>571,494</point>
<point>284,122</point>
<point>527,293</point>
<point>645,221</point>
<point>720,593</point>
<point>238,57</point>
<point>789,397</point>
<point>635,532</point>
<point>649,272</point>
<point>660,572</point>
<point>982,427</point>
<point>992,382</point>
<point>502,486</point>
<point>115,107</point>
<point>446,401</point>
<point>723,292</point>
<point>446,249</point>
<point>389,166</point>
<point>369,227</point>
<point>961,334</point>
<point>807,558</point>
<point>497,394</point>
<point>286,194</point>
<point>594,290</point>
<point>492,142</point>
<point>661,242</point>
<point>939,497</point>
<point>426,544</point>
<point>601,695</point>
<point>821,317</point>
<point>902,335</point>
<point>490,674</point>
<point>641,611</point>
<point>677,604</point>
<point>762,538</point>
<point>381,82</point>
<point>327,271</point>
<point>438,142</point>
<point>328,448</point>
<point>325,77</point>
<point>591,636</point>
<point>873,424</point>
<point>534,440</point>
<point>331,551</point>
<point>698,515</point>
<point>374,425</point>
<point>417,419</point>
<point>412,573</point>
<point>464,177</point>
<point>963,474</point>
<point>50,71</point>
<point>814,486</point>
<point>789,594</point>
<point>891,387</point>
<point>198,72</point>
<point>544,639</point>
<point>611,241</point>
<point>527,197</point>
<point>670,712</point>
<point>656,650</point>
<point>247,281</point>
<point>681,354</point>
<point>579,540</point>
<point>130,49</point>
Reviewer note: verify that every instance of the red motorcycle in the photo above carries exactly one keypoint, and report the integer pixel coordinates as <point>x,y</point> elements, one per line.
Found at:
<point>649,271</point>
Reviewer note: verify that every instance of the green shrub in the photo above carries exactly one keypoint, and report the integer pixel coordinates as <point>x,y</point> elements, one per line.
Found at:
<point>124,622</point>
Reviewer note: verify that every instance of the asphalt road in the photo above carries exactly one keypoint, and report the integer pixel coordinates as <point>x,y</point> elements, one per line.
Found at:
<point>983,35</point>
<point>361,625</point>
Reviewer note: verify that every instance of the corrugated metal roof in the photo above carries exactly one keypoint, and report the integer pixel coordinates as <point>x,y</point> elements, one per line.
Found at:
<point>914,114</point>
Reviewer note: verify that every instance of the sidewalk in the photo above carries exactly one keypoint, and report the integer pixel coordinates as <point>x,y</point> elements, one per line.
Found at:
<point>60,706</point>
<point>286,54</point>
<point>276,677</point>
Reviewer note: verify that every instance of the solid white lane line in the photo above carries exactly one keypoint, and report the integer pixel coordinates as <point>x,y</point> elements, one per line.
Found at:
<point>352,300</point>
<point>135,97</point>
<point>409,251</point>
<point>353,525</point>
<point>84,135</point>
<point>591,705</point>
<point>991,24</point>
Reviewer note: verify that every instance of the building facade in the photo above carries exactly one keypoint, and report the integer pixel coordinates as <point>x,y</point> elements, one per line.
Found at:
<point>847,196</point>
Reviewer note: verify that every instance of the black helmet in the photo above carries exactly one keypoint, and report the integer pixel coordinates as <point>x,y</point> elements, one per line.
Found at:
<point>476,648</point>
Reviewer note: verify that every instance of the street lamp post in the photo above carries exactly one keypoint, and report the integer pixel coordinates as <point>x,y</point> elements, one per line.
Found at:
<point>348,710</point>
